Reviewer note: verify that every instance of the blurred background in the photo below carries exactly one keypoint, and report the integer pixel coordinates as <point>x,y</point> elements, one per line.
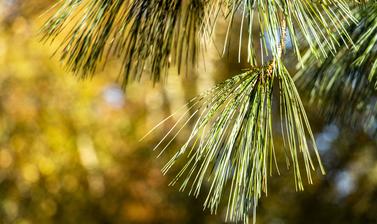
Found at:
<point>70,150</point>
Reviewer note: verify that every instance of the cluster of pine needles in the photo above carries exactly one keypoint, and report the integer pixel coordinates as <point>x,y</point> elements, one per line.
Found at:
<point>150,36</point>
<point>231,143</point>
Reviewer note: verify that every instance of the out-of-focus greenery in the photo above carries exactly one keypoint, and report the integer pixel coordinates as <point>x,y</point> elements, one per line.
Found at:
<point>70,150</point>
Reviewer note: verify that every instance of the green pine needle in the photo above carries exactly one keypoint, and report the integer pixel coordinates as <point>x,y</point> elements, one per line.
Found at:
<point>231,143</point>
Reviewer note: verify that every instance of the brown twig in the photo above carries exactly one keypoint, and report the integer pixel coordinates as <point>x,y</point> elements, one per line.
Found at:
<point>283,33</point>
<point>281,45</point>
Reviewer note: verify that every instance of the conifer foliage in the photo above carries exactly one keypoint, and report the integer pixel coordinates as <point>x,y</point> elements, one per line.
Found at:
<point>231,143</point>
<point>349,75</point>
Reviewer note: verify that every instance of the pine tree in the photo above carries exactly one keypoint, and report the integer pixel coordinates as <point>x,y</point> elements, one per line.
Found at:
<point>231,144</point>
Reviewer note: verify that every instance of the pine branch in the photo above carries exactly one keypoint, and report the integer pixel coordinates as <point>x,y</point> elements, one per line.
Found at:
<point>150,36</point>
<point>231,143</point>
